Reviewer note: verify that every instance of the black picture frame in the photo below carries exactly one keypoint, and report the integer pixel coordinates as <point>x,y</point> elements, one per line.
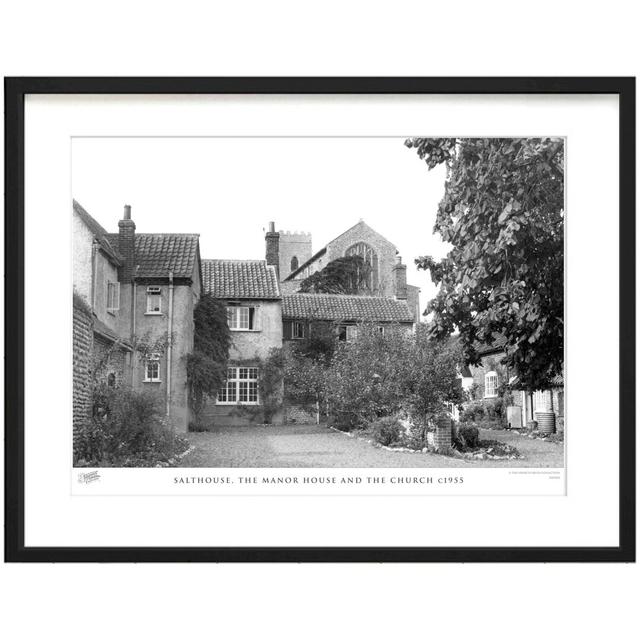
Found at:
<point>15,91</point>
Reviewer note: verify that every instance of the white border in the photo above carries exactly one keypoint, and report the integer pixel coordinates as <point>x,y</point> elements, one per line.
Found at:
<point>586,516</point>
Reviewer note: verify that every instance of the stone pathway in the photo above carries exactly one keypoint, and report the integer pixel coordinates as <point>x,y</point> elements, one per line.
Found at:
<point>318,446</point>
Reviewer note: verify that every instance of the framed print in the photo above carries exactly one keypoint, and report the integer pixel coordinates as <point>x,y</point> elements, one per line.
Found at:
<point>320,319</point>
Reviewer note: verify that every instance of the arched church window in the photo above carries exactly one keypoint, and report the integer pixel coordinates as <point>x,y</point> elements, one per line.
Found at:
<point>370,258</point>
<point>294,263</point>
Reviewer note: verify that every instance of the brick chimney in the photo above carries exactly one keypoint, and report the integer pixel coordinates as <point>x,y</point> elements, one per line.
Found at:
<point>272,240</point>
<point>400,279</point>
<point>126,245</point>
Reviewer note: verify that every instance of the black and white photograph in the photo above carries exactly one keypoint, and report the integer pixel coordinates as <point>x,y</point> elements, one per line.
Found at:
<point>318,302</point>
<point>335,308</point>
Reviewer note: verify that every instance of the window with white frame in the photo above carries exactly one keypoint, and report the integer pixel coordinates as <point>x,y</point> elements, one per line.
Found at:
<point>491,384</point>
<point>113,296</point>
<point>241,386</point>
<point>242,318</point>
<point>298,330</point>
<point>154,300</point>
<point>152,369</point>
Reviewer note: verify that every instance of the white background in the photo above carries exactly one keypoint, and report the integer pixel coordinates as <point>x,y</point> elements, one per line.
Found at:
<point>587,516</point>
<point>331,38</point>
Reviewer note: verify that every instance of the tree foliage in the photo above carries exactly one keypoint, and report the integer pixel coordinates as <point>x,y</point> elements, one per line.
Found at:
<point>207,363</point>
<point>347,276</point>
<point>378,375</point>
<point>503,215</point>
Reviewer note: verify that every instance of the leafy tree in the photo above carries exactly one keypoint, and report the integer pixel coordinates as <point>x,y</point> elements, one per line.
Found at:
<point>380,375</point>
<point>503,215</point>
<point>305,365</point>
<point>431,380</point>
<point>305,380</point>
<point>347,275</point>
<point>207,363</point>
<point>320,341</point>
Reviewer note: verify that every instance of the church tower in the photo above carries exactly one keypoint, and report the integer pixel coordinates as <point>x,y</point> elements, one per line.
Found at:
<point>295,250</point>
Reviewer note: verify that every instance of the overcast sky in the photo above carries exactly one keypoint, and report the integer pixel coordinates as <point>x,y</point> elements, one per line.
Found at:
<point>228,189</point>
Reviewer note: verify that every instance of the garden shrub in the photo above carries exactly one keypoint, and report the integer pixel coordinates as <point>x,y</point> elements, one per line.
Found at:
<point>89,441</point>
<point>127,429</point>
<point>386,431</point>
<point>467,437</point>
<point>197,427</point>
<point>346,420</point>
<point>484,411</point>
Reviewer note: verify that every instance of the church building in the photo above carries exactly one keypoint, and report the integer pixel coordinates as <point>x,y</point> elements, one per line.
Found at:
<point>292,254</point>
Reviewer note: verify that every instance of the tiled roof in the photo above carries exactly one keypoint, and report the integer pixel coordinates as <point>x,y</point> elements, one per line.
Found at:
<point>497,345</point>
<point>324,306</point>
<point>159,253</point>
<point>240,279</point>
<point>556,381</point>
<point>101,328</point>
<point>98,231</point>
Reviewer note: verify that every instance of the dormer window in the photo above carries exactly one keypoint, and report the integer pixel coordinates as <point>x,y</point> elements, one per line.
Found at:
<point>154,300</point>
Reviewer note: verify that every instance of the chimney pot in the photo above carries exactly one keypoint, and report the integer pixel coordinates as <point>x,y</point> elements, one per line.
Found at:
<point>126,245</point>
<point>400,279</point>
<point>272,240</point>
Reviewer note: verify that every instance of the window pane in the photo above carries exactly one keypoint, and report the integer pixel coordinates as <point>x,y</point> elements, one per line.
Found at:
<point>153,302</point>
<point>243,321</point>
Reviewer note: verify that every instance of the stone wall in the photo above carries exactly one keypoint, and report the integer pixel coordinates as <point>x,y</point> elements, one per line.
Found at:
<point>386,254</point>
<point>488,363</point>
<point>82,363</point>
<point>293,244</point>
<point>110,358</point>
<point>298,414</point>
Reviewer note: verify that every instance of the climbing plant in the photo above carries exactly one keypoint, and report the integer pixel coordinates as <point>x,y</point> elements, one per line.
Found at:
<point>207,363</point>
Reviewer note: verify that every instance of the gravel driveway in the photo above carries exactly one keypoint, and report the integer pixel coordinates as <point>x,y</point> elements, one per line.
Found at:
<point>318,446</point>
